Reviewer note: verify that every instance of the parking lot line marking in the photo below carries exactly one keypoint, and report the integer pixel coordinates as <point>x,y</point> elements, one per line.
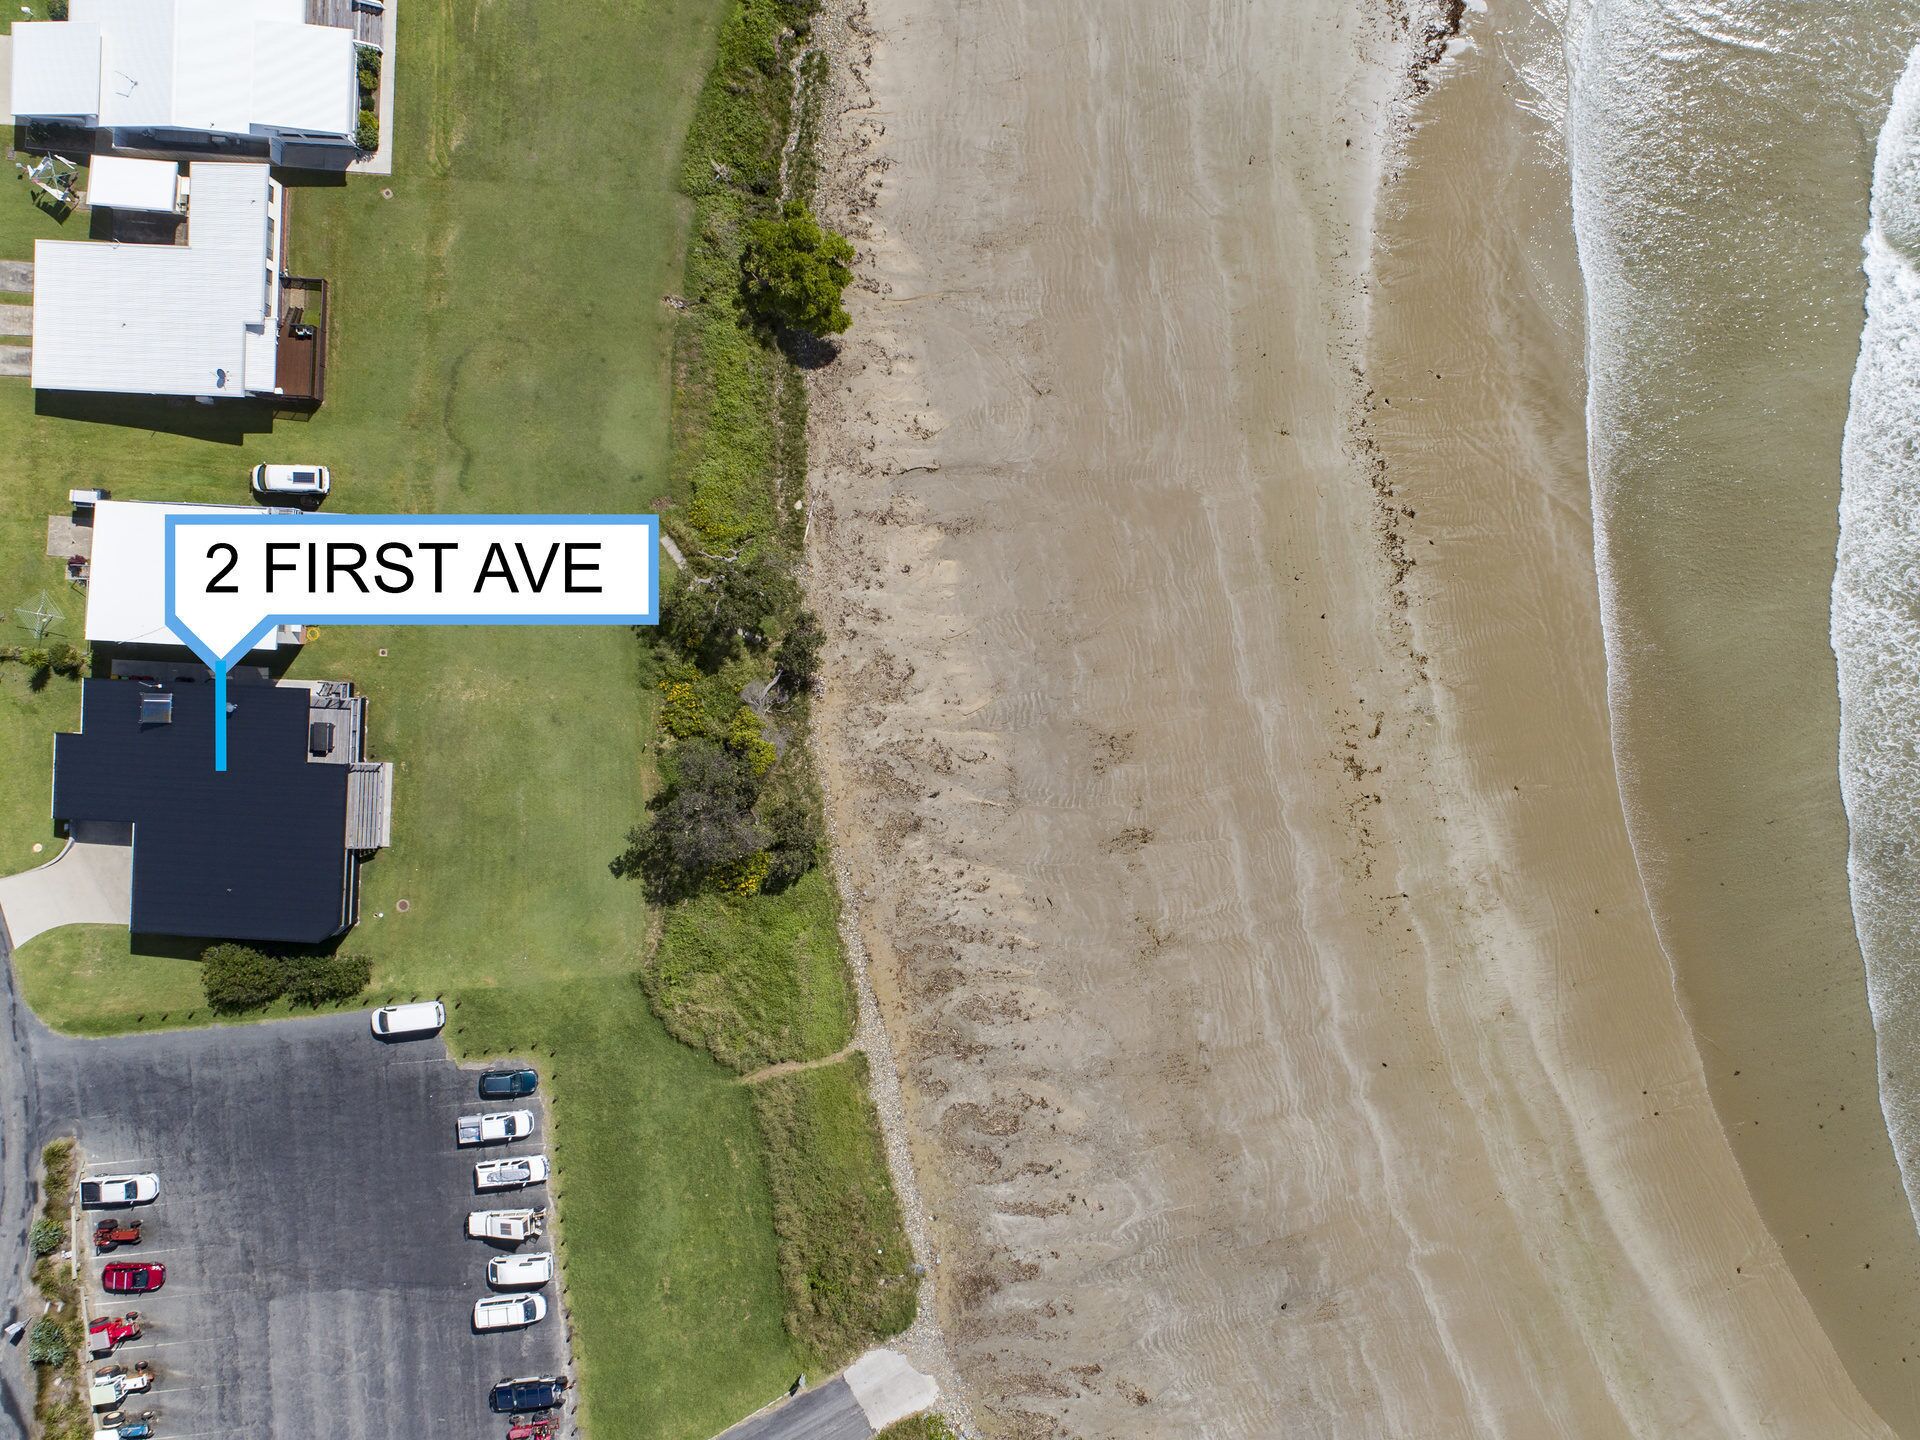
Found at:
<point>111,1164</point>
<point>153,1344</point>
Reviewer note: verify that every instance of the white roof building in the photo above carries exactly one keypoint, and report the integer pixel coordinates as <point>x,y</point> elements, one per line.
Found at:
<point>123,184</point>
<point>199,319</point>
<point>155,71</point>
<point>127,575</point>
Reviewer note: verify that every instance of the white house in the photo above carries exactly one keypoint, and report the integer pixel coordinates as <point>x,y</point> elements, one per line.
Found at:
<point>127,574</point>
<point>191,74</point>
<point>199,319</point>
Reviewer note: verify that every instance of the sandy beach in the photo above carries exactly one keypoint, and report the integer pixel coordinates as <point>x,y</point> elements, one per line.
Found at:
<point>1217,751</point>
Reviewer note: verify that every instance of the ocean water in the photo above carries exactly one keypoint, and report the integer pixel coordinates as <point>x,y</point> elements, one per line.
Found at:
<point>1722,158</point>
<point>1876,622</point>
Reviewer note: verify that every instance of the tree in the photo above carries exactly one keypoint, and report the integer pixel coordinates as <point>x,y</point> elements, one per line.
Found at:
<point>791,815</point>
<point>798,655</point>
<point>702,821</point>
<point>708,618</point>
<point>794,271</point>
<point>237,978</point>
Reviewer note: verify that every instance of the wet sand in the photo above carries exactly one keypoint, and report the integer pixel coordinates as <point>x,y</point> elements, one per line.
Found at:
<point>1216,747</point>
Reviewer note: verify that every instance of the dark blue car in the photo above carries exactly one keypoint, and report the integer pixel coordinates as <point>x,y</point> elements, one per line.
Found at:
<point>507,1084</point>
<point>513,1397</point>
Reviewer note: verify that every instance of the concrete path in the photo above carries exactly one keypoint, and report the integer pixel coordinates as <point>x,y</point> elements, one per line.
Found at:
<point>82,885</point>
<point>16,277</point>
<point>16,320</point>
<point>16,360</point>
<point>874,1392</point>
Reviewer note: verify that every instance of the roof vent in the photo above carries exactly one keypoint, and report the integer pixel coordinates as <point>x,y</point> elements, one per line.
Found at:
<point>157,709</point>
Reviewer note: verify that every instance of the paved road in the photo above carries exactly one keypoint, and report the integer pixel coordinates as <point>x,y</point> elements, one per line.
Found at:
<point>829,1413</point>
<point>311,1219</point>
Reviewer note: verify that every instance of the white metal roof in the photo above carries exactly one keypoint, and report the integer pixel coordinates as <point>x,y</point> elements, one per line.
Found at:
<point>232,67</point>
<point>165,319</point>
<point>127,575</point>
<point>56,69</point>
<point>124,184</point>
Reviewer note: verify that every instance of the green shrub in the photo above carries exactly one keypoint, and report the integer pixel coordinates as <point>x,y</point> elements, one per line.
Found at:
<point>918,1427</point>
<point>366,66</point>
<point>48,1235</point>
<point>324,979</point>
<point>47,1343</point>
<point>366,133</point>
<point>56,9</point>
<point>747,740</point>
<point>239,978</point>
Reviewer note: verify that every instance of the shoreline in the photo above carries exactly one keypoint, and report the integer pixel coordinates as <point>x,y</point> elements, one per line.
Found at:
<point>1283,1042</point>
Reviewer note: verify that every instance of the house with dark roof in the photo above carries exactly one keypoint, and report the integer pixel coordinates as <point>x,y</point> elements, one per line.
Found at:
<point>268,849</point>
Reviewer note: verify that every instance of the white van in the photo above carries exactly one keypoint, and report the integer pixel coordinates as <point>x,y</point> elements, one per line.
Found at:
<point>393,1022</point>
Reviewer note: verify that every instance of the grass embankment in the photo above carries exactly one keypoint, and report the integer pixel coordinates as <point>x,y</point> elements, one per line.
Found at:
<point>759,978</point>
<point>918,1427</point>
<point>498,344</point>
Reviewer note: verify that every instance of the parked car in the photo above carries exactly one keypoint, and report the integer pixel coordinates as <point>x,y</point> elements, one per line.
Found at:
<point>126,1427</point>
<point>303,482</point>
<point>508,1084</point>
<point>508,1312</point>
<point>399,1022</point>
<point>111,1330</point>
<point>107,1190</point>
<point>508,1226</point>
<point>510,1174</point>
<point>133,1277</point>
<point>538,1392</point>
<point>110,1235</point>
<point>533,1429</point>
<point>516,1272</point>
<point>495,1129</point>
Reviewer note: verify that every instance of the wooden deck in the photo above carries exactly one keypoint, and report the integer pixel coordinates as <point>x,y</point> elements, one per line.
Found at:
<point>300,365</point>
<point>360,16</point>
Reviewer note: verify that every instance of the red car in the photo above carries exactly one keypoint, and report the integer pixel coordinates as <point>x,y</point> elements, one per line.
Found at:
<point>130,1277</point>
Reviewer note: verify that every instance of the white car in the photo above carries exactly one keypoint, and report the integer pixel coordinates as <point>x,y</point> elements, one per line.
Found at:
<point>309,482</point>
<point>495,1129</point>
<point>395,1022</point>
<point>105,1190</point>
<point>508,1312</point>
<point>517,1272</point>
<point>510,1174</point>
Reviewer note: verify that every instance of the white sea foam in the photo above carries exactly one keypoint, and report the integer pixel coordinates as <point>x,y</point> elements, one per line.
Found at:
<point>1876,623</point>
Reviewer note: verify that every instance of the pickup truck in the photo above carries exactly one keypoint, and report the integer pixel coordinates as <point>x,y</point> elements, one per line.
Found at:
<point>510,1174</point>
<point>104,1190</point>
<point>508,1226</point>
<point>494,1129</point>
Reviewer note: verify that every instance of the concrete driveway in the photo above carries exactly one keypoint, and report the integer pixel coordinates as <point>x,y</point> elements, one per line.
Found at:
<point>85,884</point>
<point>311,1218</point>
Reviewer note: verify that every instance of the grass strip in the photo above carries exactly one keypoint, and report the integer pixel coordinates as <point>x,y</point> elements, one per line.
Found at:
<point>844,1260</point>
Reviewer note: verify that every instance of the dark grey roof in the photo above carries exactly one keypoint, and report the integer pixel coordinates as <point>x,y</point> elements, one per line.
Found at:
<point>255,853</point>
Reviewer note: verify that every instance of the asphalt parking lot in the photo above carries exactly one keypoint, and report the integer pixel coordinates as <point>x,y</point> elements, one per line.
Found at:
<point>312,1220</point>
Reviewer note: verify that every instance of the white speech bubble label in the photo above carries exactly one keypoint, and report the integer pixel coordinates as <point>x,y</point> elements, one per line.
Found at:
<point>232,578</point>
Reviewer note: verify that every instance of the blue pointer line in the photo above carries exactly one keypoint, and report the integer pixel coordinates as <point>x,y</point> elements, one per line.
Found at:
<point>220,717</point>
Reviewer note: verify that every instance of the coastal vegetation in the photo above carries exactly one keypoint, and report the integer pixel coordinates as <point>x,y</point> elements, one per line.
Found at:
<point>749,963</point>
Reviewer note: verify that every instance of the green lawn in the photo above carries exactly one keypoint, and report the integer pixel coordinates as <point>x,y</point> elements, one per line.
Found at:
<point>499,344</point>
